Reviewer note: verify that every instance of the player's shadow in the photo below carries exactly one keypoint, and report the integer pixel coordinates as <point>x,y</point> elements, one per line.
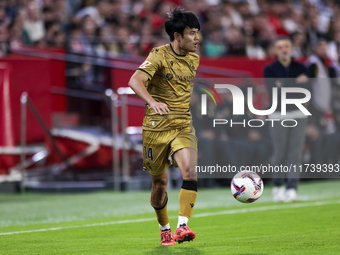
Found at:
<point>174,250</point>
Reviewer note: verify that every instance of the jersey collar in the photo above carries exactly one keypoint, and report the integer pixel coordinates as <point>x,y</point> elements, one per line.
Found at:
<point>175,52</point>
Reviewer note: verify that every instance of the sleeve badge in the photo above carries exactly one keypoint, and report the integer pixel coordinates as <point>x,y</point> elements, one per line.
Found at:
<point>144,64</point>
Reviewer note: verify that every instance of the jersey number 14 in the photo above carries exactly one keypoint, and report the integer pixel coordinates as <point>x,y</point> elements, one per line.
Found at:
<point>148,153</point>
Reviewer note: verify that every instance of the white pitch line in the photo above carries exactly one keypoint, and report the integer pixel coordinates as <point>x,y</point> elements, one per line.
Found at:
<point>267,208</point>
<point>256,209</point>
<point>78,226</point>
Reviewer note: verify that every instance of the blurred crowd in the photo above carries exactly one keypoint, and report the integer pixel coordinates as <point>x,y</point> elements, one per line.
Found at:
<point>133,27</point>
<point>240,144</point>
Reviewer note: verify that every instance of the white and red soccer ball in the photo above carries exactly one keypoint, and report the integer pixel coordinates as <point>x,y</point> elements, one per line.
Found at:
<point>246,187</point>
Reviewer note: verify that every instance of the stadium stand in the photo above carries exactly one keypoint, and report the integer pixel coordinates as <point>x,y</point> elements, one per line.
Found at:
<point>82,48</point>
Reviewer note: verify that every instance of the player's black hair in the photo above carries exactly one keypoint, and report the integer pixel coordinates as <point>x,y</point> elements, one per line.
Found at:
<point>282,37</point>
<point>178,20</point>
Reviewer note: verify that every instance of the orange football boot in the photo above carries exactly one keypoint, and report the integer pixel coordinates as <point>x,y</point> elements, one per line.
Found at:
<point>166,238</point>
<point>184,233</point>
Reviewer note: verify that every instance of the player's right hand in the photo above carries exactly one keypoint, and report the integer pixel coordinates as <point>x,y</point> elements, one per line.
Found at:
<point>302,78</point>
<point>159,107</point>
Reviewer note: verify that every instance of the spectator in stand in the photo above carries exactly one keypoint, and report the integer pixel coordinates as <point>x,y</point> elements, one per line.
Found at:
<point>312,26</point>
<point>292,20</point>
<point>48,16</point>
<point>146,39</point>
<point>105,44</point>
<point>46,4</point>
<point>321,86</point>
<point>59,39</point>
<point>254,51</point>
<point>4,19</point>
<point>98,12</point>
<point>76,43</point>
<point>235,42</point>
<point>15,35</point>
<point>4,47</point>
<point>163,9</point>
<point>212,17</point>
<point>243,8</point>
<point>34,25</point>
<point>89,28</point>
<point>214,46</point>
<point>299,42</point>
<point>334,74</point>
<point>50,29</point>
<point>73,5</point>
<point>124,43</point>
<point>62,12</point>
<point>263,31</point>
<point>332,45</point>
<point>278,10</point>
<point>231,17</point>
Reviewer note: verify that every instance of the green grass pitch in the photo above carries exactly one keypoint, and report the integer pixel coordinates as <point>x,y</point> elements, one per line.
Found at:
<point>124,223</point>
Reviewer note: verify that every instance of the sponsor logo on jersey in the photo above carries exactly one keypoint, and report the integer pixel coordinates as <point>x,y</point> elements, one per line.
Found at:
<point>185,78</point>
<point>144,64</point>
<point>169,76</point>
<point>192,66</point>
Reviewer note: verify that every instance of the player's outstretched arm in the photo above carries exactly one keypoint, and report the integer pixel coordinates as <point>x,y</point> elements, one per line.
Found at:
<point>136,83</point>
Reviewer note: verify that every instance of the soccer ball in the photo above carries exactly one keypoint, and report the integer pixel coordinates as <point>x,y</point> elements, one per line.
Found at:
<point>246,187</point>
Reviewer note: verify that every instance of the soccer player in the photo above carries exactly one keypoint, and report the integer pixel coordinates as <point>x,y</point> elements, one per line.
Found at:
<point>164,81</point>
